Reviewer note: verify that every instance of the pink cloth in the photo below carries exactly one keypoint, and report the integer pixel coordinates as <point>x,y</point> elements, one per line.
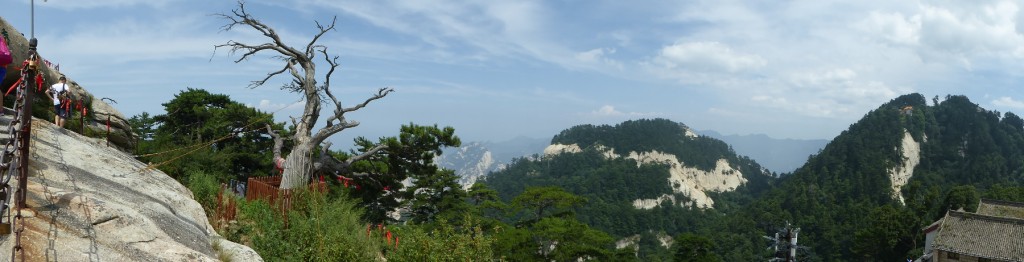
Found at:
<point>5,53</point>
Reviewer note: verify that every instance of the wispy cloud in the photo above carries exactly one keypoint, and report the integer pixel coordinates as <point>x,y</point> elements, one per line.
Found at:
<point>268,106</point>
<point>610,111</point>
<point>92,4</point>
<point>1008,102</point>
<point>706,56</point>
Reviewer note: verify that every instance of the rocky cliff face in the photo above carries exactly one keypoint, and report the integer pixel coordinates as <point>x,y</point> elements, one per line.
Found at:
<point>473,161</point>
<point>691,182</point>
<point>89,202</point>
<point>470,162</point>
<point>121,132</point>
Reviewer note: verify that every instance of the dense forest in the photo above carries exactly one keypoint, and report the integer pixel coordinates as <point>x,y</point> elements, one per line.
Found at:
<point>579,205</point>
<point>611,185</point>
<point>842,198</point>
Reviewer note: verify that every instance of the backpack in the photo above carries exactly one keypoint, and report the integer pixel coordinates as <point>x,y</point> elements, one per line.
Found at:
<point>63,94</point>
<point>5,53</point>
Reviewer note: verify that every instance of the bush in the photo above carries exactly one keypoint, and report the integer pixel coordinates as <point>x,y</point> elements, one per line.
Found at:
<point>318,229</point>
<point>444,243</point>
<point>204,187</point>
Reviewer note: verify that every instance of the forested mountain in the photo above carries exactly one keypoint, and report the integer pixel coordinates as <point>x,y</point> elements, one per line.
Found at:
<point>870,191</point>
<point>778,155</point>
<point>643,178</point>
<point>865,196</point>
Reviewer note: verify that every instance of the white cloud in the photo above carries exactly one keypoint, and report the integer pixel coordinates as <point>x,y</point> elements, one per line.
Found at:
<point>984,30</point>
<point>1008,102</point>
<point>598,56</point>
<point>90,4</point>
<point>134,40</point>
<point>490,29</point>
<point>607,110</point>
<point>267,105</point>
<point>944,32</point>
<point>894,27</point>
<point>610,111</point>
<point>706,56</point>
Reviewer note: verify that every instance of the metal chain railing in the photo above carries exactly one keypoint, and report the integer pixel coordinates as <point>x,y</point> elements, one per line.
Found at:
<point>14,157</point>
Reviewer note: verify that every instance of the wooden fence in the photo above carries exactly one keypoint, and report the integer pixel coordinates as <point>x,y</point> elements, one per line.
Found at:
<point>267,188</point>
<point>227,207</point>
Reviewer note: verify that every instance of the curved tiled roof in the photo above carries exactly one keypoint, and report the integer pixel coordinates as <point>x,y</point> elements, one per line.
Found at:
<point>1001,208</point>
<point>983,236</point>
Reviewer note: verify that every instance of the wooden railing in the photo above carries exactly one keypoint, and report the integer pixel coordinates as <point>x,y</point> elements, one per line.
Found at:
<point>258,188</point>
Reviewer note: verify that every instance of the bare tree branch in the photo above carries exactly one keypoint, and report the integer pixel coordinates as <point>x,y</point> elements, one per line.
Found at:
<point>240,17</point>
<point>328,162</point>
<point>381,93</point>
<point>269,75</point>
<point>323,30</point>
<point>366,154</point>
<point>278,142</point>
<point>343,124</point>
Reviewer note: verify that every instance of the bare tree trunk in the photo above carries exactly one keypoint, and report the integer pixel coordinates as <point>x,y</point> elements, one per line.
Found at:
<point>298,167</point>
<point>298,63</point>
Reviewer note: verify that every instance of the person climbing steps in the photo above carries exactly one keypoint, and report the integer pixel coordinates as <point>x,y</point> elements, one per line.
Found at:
<point>59,94</point>
<point>5,60</point>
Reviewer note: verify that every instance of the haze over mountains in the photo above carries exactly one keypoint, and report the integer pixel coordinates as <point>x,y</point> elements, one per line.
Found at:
<point>778,155</point>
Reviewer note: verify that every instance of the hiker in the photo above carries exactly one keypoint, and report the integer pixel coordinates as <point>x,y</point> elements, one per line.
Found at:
<point>58,93</point>
<point>5,59</point>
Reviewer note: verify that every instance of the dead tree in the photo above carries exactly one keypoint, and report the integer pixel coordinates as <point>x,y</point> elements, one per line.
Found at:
<point>301,162</point>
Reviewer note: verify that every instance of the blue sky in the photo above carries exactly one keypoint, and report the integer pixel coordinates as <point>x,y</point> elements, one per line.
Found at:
<point>499,69</point>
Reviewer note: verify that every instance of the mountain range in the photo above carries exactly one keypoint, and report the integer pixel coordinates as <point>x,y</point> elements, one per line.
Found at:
<point>475,160</point>
<point>865,195</point>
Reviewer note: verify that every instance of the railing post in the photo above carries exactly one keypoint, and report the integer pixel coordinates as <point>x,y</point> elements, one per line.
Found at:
<point>25,136</point>
<point>108,130</point>
<point>81,116</point>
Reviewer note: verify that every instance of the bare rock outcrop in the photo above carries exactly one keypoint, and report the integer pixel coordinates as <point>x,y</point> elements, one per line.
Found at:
<point>89,202</point>
<point>121,133</point>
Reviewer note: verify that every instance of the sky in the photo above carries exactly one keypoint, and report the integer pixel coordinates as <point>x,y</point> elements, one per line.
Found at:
<point>496,70</point>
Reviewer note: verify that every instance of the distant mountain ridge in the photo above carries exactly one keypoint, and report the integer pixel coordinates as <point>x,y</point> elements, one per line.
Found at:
<point>777,155</point>
<point>474,160</point>
<point>868,193</point>
<point>644,179</point>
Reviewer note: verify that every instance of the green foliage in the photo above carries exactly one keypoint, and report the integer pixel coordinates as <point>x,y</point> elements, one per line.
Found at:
<point>206,132</point>
<point>542,202</point>
<point>962,197</point>
<point>318,229</point>
<point>479,193</point>
<point>569,240</point>
<point>1006,193</point>
<point>842,199</point>
<point>514,244</point>
<point>321,227</point>
<point>611,185</point>
<point>690,247</point>
<point>204,189</point>
<point>409,155</point>
<point>549,231</point>
<point>436,196</point>
<point>445,243</point>
<point>889,234</point>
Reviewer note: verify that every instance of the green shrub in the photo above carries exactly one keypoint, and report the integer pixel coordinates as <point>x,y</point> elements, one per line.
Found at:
<point>318,229</point>
<point>444,243</point>
<point>204,187</point>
